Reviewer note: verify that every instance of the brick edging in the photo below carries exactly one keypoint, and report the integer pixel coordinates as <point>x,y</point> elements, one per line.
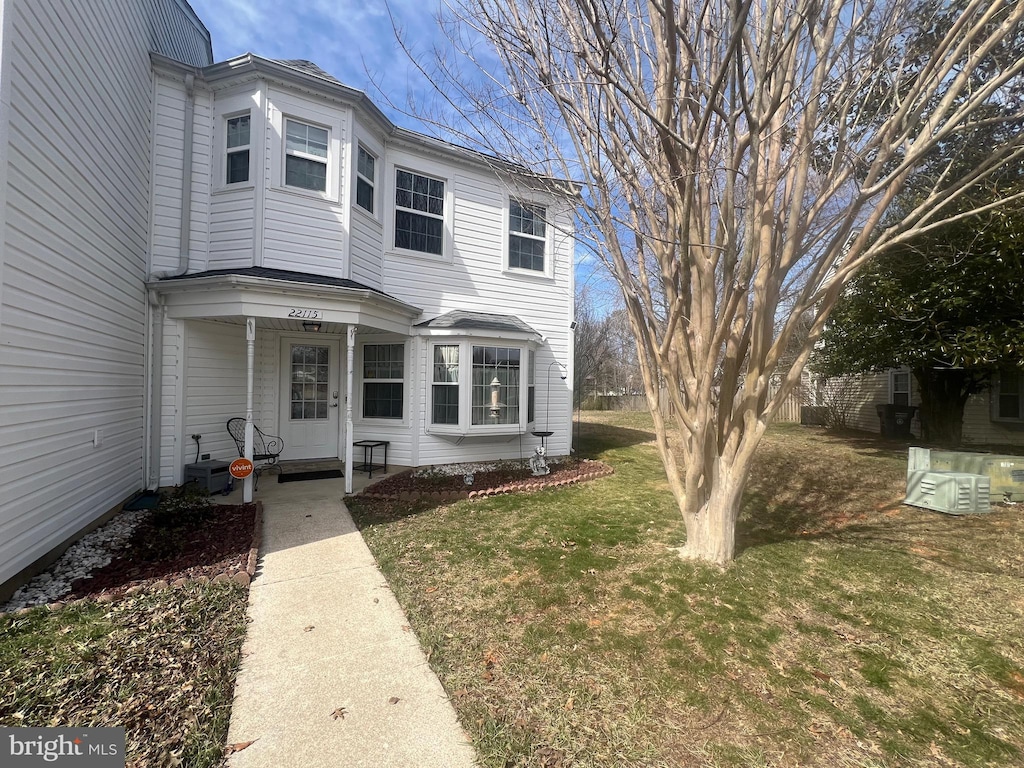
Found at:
<point>595,469</point>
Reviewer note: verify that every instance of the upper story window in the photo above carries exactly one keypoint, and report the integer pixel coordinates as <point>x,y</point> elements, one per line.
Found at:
<point>1008,396</point>
<point>383,381</point>
<point>366,179</point>
<point>419,213</point>
<point>305,163</point>
<point>527,236</point>
<point>237,150</point>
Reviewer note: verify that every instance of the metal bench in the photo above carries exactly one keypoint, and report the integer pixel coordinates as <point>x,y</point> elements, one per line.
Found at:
<point>266,449</point>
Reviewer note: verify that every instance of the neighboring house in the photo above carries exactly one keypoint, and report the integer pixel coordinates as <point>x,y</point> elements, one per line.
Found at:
<point>992,417</point>
<point>185,238</point>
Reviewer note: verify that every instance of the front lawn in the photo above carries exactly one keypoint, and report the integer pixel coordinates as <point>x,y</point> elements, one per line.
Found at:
<point>160,663</point>
<point>851,631</point>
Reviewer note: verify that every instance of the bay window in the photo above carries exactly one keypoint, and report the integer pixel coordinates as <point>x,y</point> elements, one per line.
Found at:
<point>445,389</point>
<point>237,149</point>
<point>495,385</point>
<point>481,388</point>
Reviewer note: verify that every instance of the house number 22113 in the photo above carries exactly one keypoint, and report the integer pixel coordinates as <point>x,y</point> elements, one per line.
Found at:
<point>306,314</point>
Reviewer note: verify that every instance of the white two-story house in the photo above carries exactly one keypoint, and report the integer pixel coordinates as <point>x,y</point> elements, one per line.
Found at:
<point>185,241</point>
<point>390,287</point>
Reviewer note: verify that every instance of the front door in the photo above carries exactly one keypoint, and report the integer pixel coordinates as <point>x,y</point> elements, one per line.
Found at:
<point>310,389</point>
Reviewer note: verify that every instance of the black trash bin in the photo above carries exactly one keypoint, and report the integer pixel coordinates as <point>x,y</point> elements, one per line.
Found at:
<point>895,419</point>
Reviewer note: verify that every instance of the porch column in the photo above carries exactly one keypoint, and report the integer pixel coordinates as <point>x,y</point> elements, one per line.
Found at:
<point>250,364</point>
<point>350,357</point>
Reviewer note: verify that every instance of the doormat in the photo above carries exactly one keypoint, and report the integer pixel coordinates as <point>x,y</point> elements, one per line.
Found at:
<point>145,500</point>
<point>323,474</point>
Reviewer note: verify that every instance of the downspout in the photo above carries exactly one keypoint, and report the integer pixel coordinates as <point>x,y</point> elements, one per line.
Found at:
<point>156,304</point>
<point>185,232</point>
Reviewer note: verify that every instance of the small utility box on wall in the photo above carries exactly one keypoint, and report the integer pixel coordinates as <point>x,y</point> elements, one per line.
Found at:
<point>211,474</point>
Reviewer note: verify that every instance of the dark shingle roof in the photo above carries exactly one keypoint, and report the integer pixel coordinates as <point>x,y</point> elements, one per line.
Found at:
<point>478,321</point>
<point>283,274</point>
<point>309,68</point>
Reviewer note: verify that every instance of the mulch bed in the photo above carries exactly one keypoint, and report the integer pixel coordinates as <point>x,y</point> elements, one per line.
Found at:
<point>223,547</point>
<point>509,478</point>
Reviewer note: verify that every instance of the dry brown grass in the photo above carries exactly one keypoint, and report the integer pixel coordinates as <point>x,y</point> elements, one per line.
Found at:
<point>850,631</point>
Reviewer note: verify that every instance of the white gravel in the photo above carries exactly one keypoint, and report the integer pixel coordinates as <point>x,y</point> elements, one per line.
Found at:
<point>459,469</point>
<point>88,554</point>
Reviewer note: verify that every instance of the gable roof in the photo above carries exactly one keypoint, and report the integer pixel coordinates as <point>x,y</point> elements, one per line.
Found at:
<point>478,321</point>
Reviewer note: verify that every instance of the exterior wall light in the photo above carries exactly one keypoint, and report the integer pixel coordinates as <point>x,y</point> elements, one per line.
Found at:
<point>311,326</point>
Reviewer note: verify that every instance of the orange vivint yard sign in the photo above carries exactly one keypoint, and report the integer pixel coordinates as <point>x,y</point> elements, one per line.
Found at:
<point>240,468</point>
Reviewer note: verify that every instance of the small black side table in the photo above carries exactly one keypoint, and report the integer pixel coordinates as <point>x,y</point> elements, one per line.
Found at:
<point>368,446</point>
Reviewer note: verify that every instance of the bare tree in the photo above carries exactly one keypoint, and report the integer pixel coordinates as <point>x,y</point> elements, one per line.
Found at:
<point>592,342</point>
<point>737,159</point>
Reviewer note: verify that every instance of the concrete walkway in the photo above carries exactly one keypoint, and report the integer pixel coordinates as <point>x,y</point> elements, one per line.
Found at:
<point>331,673</point>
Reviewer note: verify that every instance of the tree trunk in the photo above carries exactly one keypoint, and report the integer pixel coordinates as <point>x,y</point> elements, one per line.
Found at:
<point>943,397</point>
<point>711,530</point>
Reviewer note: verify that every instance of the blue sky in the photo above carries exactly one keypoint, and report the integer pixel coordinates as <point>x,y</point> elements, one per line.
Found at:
<point>354,41</point>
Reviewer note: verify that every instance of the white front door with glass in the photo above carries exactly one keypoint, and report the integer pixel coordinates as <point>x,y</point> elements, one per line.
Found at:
<point>310,398</point>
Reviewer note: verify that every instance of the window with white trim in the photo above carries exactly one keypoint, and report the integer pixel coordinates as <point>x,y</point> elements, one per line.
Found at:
<point>527,236</point>
<point>366,179</point>
<point>237,142</point>
<point>444,394</point>
<point>305,162</point>
<point>479,387</point>
<point>1008,396</point>
<point>900,388</point>
<point>419,213</point>
<point>496,374</point>
<point>531,395</point>
<point>383,381</point>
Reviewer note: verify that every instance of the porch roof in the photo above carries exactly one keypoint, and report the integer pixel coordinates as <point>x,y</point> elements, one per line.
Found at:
<point>283,295</point>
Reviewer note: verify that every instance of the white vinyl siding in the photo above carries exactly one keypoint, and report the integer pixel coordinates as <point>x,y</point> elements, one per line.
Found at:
<point>476,280</point>
<point>75,249</point>
<point>304,231</point>
<point>168,156</point>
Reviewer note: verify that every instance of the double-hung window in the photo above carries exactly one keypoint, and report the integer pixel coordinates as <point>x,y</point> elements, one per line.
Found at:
<point>1008,396</point>
<point>527,236</point>
<point>900,388</point>
<point>305,162</point>
<point>366,179</point>
<point>237,149</point>
<point>445,387</point>
<point>419,213</point>
<point>383,381</point>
